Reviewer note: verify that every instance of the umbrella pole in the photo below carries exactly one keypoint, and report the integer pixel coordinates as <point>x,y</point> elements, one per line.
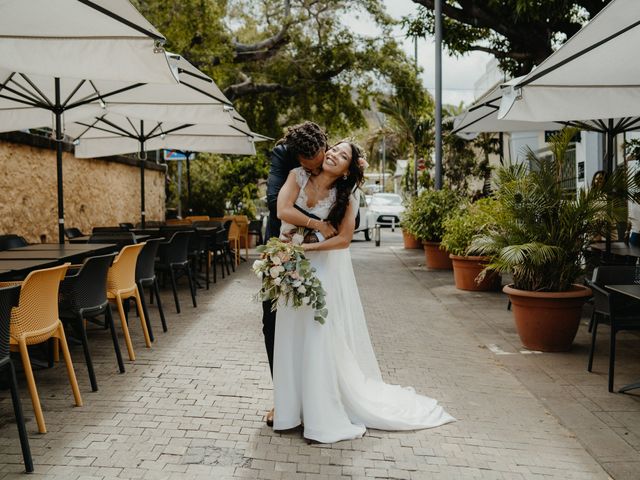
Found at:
<point>142,165</point>
<point>188,184</point>
<point>58,114</point>
<point>609,169</point>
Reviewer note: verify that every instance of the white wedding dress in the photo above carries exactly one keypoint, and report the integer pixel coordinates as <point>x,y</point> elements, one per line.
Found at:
<point>327,376</point>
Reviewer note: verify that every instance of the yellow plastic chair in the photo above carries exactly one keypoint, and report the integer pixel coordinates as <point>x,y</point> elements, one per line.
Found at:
<point>121,285</point>
<point>178,221</point>
<point>243,226</point>
<point>234,238</point>
<point>197,218</point>
<point>35,320</point>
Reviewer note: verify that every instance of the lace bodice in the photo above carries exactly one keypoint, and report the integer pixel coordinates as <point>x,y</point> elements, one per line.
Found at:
<point>320,209</point>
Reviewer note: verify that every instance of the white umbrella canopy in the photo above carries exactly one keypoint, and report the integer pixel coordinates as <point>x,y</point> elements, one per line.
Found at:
<point>113,134</point>
<point>482,117</point>
<point>97,39</point>
<point>592,76</point>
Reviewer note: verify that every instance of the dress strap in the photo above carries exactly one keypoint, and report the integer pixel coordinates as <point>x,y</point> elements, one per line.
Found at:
<point>302,177</point>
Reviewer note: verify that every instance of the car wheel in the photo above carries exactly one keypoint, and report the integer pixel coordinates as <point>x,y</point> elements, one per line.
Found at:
<point>367,234</point>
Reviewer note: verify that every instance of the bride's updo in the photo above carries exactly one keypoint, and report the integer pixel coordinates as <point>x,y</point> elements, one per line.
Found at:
<point>346,186</point>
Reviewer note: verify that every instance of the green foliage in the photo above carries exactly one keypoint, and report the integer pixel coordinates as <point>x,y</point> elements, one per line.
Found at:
<point>470,220</point>
<point>544,230</point>
<point>220,181</point>
<point>426,213</point>
<point>519,33</point>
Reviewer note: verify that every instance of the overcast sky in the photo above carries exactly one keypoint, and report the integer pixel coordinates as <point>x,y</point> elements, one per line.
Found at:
<point>458,74</point>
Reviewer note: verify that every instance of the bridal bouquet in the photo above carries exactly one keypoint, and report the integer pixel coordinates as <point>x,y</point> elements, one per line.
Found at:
<point>287,275</point>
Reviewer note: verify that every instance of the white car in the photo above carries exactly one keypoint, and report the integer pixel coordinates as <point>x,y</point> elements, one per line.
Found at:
<point>384,209</point>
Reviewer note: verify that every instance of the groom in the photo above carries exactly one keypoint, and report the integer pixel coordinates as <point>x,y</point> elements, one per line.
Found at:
<point>302,146</point>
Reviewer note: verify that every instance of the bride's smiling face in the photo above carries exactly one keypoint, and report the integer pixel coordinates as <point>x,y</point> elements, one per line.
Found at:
<point>337,159</point>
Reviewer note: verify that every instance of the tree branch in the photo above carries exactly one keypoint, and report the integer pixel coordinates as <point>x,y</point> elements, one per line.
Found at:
<point>247,87</point>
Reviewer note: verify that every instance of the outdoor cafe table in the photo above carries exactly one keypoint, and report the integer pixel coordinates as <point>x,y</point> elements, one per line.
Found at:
<point>632,291</point>
<point>85,238</point>
<point>12,269</point>
<point>618,248</point>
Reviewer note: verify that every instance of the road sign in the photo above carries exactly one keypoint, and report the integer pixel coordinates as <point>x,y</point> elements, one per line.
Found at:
<point>421,165</point>
<point>176,155</point>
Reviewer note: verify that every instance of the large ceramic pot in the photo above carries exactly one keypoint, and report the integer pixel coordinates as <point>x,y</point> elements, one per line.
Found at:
<point>410,242</point>
<point>547,321</point>
<point>467,268</point>
<point>435,258</point>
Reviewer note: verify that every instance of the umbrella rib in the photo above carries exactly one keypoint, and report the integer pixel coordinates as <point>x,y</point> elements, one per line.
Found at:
<point>109,13</point>
<point>158,125</point>
<point>119,128</point>
<point>195,75</point>
<point>37,90</point>
<point>175,129</point>
<point>133,126</point>
<point>92,98</point>
<point>241,131</point>
<point>24,102</point>
<point>631,122</point>
<point>89,127</point>
<point>73,92</point>
<point>472,123</point>
<point>226,102</point>
<point>576,55</point>
<point>26,94</point>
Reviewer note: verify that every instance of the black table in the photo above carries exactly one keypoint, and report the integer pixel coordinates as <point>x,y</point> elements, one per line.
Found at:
<point>64,248</point>
<point>632,291</point>
<point>85,239</point>
<point>618,248</point>
<point>18,267</point>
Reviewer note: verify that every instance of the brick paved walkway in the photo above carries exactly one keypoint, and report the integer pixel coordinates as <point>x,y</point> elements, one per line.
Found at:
<point>191,407</point>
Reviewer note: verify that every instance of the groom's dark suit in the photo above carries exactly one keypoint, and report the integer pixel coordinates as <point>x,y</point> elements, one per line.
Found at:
<point>282,162</point>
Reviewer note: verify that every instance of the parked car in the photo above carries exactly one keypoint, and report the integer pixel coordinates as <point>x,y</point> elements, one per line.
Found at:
<point>363,225</point>
<point>384,209</point>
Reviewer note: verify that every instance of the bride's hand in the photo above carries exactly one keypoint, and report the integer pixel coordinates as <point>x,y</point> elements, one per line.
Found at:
<point>326,229</point>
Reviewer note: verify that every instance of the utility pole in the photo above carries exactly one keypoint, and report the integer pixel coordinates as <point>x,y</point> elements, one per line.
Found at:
<point>438,32</point>
<point>415,153</point>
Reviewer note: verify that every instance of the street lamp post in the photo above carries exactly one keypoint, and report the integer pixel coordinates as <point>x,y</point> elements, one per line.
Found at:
<point>438,34</point>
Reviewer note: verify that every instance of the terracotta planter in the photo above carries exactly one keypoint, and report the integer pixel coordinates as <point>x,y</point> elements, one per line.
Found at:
<point>410,242</point>
<point>467,268</point>
<point>547,321</point>
<point>435,258</point>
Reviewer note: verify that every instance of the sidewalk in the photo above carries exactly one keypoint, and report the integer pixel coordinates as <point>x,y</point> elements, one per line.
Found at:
<point>191,407</point>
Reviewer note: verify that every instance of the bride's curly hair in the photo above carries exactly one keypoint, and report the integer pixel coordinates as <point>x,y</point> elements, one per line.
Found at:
<point>346,186</point>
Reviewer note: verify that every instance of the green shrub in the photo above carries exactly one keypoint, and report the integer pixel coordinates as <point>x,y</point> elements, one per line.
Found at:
<point>470,220</point>
<point>426,213</point>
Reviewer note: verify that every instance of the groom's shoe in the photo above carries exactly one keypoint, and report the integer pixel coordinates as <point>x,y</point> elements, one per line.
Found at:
<point>269,417</point>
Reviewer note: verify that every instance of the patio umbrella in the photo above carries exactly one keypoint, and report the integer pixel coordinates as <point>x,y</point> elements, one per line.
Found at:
<point>113,134</point>
<point>68,57</point>
<point>591,81</point>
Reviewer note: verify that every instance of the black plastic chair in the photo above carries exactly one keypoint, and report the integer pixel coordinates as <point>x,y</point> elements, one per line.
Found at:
<point>146,277</point>
<point>73,233</point>
<point>174,258</point>
<point>83,295</point>
<point>9,297</point>
<point>227,244</point>
<point>220,251</point>
<point>12,241</point>
<point>255,228</point>
<point>108,229</point>
<point>121,239</point>
<point>126,226</point>
<point>620,312</point>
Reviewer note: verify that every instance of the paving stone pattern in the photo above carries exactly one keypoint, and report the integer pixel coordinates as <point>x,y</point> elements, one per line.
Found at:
<point>191,407</point>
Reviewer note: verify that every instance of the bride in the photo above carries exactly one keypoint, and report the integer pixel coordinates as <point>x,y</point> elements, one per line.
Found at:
<point>326,377</point>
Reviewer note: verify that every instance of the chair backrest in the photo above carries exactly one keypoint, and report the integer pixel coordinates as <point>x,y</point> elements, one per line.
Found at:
<point>176,250</point>
<point>613,275</point>
<point>146,259</point>
<point>108,229</point>
<point>88,288</point>
<point>207,224</point>
<point>178,221</point>
<point>121,239</point>
<point>12,241</point>
<point>122,274</point>
<point>73,233</point>
<point>38,305</point>
<point>255,226</point>
<point>9,297</point>
<point>197,218</point>
<point>126,225</point>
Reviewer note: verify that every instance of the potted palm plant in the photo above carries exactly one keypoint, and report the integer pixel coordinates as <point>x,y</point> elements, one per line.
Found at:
<point>541,237</point>
<point>408,217</point>
<point>470,220</point>
<point>424,220</point>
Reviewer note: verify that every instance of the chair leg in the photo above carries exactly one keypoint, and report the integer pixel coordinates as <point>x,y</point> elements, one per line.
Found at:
<point>67,360</point>
<point>145,310</point>
<point>22,429</point>
<point>156,290</point>
<point>593,316</point>
<point>612,357</point>
<point>31,384</point>
<point>143,320</point>
<point>175,288</point>
<point>207,267</point>
<point>125,328</point>
<point>108,319</point>
<point>232,259</point>
<point>592,350</point>
<point>87,355</point>
<point>192,286</point>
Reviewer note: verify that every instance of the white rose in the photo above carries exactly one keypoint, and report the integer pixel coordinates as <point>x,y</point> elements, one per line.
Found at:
<point>278,280</point>
<point>297,283</point>
<point>274,272</point>
<point>276,260</point>
<point>301,289</point>
<point>297,239</point>
<point>306,300</point>
<point>260,274</point>
<point>257,265</point>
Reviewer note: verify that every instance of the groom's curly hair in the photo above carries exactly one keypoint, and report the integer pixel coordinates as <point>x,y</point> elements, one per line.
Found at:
<point>305,139</point>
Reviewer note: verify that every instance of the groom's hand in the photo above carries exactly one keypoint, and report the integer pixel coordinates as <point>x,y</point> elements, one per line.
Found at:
<point>326,229</point>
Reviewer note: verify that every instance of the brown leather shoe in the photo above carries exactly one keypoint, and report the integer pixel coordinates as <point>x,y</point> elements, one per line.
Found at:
<point>269,417</point>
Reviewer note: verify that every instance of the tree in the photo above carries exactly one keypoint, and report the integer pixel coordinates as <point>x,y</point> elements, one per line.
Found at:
<point>519,33</point>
